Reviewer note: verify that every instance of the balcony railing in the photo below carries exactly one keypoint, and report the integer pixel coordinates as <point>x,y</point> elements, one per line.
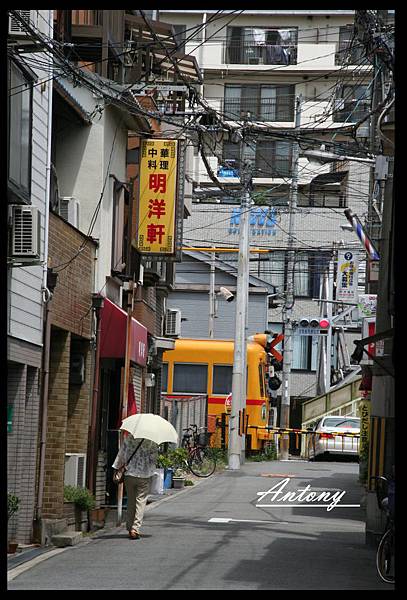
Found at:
<point>351,113</point>
<point>266,109</point>
<point>259,54</point>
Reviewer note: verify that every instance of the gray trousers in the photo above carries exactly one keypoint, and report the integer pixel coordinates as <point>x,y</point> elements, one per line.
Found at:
<point>138,489</point>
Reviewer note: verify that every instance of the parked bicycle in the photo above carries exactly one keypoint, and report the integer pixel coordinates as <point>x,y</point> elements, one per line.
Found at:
<point>385,555</point>
<point>201,460</point>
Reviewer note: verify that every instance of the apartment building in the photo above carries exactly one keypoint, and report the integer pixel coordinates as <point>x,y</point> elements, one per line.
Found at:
<point>255,65</point>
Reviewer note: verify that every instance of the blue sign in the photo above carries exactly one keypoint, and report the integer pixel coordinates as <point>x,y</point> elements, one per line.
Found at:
<point>262,221</point>
<point>227,172</point>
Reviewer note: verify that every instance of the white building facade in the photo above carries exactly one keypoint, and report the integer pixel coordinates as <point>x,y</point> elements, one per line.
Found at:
<point>259,63</point>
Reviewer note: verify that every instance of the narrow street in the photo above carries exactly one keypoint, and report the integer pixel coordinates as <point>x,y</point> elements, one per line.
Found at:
<point>212,536</point>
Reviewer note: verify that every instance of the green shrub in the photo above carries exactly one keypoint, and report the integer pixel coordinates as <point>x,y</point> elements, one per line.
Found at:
<point>12,505</point>
<point>164,461</point>
<point>81,497</point>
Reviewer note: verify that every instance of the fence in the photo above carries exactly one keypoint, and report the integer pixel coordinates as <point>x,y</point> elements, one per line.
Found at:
<point>182,410</point>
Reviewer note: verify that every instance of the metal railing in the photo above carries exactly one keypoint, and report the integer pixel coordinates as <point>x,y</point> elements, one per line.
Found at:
<point>259,54</point>
<point>266,109</point>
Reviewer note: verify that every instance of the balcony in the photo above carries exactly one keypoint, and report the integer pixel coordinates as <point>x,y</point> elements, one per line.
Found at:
<point>260,54</point>
<point>260,109</point>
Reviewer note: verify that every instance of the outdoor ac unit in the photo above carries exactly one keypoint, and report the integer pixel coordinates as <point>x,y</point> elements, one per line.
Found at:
<point>75,469</point>
<point>213,163</point>
<point>25,232</point>
<point>16,28</point>
<point>69,210</point>
<point>173,322</point>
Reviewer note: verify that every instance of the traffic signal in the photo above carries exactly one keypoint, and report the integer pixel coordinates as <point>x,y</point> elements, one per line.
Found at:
<point>318,324</point>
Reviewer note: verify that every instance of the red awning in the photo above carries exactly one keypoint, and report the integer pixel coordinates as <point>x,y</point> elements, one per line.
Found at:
<point>113,335</point>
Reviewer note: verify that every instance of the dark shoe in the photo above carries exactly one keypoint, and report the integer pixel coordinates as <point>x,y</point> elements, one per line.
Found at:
<point>134,535</point>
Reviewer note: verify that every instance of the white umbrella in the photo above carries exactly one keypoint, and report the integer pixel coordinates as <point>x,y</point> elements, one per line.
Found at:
<point>150,427</point>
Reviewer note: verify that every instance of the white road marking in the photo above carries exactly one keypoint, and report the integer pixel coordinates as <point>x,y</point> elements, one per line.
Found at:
<point>223,520</point>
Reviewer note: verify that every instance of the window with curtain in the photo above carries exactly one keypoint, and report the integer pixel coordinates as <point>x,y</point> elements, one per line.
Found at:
<point>305,351</point>
<point>261,45</point>
<point>190,379</point>
<point>302,275</point>
<point>19,132</point>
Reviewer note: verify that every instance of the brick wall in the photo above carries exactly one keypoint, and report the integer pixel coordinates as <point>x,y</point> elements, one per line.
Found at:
<point>71,303</point>
<point>78,409</point>
<point>57,424</point>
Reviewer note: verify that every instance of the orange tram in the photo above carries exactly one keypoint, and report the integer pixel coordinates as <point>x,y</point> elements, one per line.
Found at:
<point>205,366</point>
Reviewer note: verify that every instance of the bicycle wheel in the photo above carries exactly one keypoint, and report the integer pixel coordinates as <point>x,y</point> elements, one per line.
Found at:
<point>385,557</point>
<point>202,462</point>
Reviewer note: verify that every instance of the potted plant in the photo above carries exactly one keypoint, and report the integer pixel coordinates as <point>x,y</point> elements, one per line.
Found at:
<point>178,458</point>
<point>83,500</point>
<point>13,502</point>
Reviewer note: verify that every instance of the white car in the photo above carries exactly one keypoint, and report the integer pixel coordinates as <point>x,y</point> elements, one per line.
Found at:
<point>324,442</point>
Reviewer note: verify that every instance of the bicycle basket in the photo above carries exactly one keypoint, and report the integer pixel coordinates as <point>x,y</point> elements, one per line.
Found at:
<point>203,438</point>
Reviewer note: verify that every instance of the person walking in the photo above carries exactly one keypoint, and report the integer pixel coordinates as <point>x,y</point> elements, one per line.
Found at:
<point>139,471</point>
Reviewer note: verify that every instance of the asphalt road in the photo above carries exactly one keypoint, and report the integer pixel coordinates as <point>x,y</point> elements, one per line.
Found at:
<point>212,536</point>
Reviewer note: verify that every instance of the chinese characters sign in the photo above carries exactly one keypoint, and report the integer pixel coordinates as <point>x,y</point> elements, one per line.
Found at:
<point>157,202</point>
<point>347,279</point>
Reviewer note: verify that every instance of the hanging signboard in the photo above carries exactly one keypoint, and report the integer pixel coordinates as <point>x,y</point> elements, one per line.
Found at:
<point>347,276</point>
<point>159,206</point>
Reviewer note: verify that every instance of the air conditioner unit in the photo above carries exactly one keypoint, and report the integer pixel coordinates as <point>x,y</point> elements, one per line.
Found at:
<point>25,232</point>
<point>16,28</point>
<point>75,469</point>
<point>69,210</point>
<point>173,322</point>
<point>213,163</point>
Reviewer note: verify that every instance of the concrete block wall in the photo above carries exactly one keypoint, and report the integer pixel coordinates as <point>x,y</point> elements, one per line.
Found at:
<point>22,445</point>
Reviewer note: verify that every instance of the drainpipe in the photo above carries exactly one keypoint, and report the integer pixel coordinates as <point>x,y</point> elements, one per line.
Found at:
<point>48,281</point>
<point>97,305</point>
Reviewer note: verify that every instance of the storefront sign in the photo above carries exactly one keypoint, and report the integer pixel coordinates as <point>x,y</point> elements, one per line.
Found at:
<point>347,277</point>
<point>262,221</point>
<point>156,216</point>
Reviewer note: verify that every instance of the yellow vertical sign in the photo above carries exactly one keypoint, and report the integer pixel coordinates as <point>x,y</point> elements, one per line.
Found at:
<point>157,200</point>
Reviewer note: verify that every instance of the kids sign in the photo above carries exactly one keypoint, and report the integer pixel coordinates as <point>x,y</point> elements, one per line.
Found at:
<point>156,218</point>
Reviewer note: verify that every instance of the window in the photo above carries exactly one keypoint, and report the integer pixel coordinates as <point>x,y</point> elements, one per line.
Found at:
<point>271,159</point>
<point>341,422</point>
<point>120,234</point>
<point>222,379</point>
<point>180,36</point>
<point>352,103</point>
<point>309,268</point>
<point>164,377</point>
<point>190,379</point>
<point>350,50</point>
<point>19,133</point>
<point>305,351</point>
<point>272,269</point>
<point>264,102</point>
<point>261,46</point>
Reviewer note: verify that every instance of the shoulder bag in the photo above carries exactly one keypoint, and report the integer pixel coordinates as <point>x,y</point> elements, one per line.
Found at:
<point>118,474</point>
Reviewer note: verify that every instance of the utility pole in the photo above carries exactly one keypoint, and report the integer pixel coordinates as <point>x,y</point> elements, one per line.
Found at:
<point>212,300</point>
<point>240,345</point>
<point>126,376</point>
<point>288,329</point>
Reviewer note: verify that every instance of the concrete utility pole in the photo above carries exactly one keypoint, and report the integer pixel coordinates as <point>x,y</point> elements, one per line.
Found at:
<point>126,377</point>
<point>236,445</point>
<point>212,297</point>
<point>288,332</point>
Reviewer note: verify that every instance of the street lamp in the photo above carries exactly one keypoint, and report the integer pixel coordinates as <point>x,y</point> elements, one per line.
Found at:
<point>322,157</point>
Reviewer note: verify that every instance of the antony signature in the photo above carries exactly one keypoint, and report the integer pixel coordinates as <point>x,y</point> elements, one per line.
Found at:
<point>302,497</point>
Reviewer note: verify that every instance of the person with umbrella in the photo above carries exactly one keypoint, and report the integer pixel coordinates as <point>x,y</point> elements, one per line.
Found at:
<point>139,453</point>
